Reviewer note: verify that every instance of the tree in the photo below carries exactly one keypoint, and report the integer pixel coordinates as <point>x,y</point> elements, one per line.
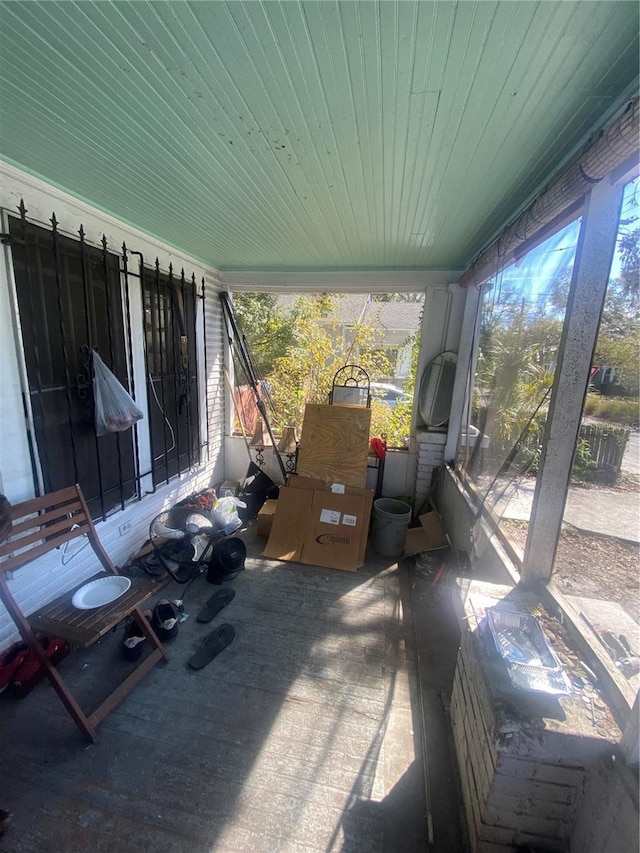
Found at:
<point>629,250</point>
<point>267,327</point>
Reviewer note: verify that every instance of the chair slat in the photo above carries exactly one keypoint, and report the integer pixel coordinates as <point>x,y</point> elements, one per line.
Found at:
<point>48,517</point>
<point>22,559</point>
<point>17,544</point>
<point>83,627</point>
<point>44,502</point>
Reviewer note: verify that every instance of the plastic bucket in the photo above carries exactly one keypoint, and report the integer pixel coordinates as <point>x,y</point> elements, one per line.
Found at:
<point>389,528</point>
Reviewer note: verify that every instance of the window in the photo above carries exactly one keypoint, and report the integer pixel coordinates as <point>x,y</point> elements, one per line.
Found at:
<point>598,554</point>
<point>300,342</point>
<point>521,317</point>
<point>70,300</point>
<point>573,535</point>
<point>170,335</point>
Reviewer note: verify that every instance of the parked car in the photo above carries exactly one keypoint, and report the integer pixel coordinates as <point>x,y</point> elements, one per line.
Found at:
<point>388,394</point>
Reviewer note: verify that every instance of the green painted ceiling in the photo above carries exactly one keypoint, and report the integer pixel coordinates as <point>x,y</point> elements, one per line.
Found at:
<point>309,135</point>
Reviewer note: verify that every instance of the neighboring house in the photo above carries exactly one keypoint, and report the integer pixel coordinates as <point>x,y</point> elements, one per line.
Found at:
<point>395,322</point>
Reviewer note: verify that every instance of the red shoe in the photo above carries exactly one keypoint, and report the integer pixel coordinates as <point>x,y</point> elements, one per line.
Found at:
<point>31,665</point>
<point>9,663</point>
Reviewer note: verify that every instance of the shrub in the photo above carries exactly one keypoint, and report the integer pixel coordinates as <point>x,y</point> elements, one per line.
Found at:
<point>615,410</point>
<point>583,465</point>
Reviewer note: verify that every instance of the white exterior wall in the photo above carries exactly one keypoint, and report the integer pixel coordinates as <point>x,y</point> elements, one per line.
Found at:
<point>36,584</point>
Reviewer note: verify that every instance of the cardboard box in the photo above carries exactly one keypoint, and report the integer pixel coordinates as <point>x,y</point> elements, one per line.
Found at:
<point>265,518</point>
<point>428,537</point>
<point>229,489</point>
<point>321,524</point>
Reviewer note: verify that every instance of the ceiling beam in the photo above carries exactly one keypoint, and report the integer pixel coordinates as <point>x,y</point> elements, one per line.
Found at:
<point>347,281</point>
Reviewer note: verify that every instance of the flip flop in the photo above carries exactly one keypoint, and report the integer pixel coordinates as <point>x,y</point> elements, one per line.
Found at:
<point>212,645</point>
<point>218,600</point>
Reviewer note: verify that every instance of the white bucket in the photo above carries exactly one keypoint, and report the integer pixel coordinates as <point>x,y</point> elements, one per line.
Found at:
<point>389,528</point>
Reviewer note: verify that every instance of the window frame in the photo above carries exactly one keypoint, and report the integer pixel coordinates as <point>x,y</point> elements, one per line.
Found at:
<point>594,253</point>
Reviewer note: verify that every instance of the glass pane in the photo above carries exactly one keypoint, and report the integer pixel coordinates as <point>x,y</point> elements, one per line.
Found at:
<point>521,316</point>
<point>598,554</point>
<point>299,342</point>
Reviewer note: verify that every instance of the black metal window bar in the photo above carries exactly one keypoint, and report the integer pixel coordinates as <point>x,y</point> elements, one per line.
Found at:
<point>74,297</point>
<point>169,304</point>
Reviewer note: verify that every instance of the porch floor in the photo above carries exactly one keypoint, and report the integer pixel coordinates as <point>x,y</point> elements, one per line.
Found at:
<point>304,734</point>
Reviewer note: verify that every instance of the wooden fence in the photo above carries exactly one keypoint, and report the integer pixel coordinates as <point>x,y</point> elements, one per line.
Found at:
<point>606,445</point>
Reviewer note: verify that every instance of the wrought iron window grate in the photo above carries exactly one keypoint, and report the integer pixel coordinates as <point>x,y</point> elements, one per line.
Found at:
<point>73,297</point>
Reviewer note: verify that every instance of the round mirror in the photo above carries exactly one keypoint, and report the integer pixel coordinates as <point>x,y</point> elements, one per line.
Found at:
<point>436,388</point>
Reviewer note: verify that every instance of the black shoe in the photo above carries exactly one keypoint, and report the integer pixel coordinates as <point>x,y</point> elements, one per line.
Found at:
<point>165,619</point>
<point>134,640</point>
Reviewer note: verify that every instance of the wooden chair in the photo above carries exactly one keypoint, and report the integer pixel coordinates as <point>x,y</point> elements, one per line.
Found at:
<point>39,526</point>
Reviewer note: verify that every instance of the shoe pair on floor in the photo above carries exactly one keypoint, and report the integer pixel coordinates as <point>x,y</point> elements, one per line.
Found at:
<point>19,665</point>
<point>165,620</point>
<point>213,643</point>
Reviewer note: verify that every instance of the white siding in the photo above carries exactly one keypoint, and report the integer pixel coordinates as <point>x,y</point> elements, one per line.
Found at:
<point>60,570</point>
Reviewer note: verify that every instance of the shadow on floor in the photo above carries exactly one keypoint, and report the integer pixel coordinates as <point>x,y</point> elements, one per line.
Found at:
<point>302,735</point>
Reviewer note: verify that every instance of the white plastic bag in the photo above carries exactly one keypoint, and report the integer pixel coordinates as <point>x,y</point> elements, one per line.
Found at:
<point>225,514</point>
<point>116,410</point>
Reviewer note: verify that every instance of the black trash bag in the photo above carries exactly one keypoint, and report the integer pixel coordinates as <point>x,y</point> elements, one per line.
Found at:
<point>257,488</point>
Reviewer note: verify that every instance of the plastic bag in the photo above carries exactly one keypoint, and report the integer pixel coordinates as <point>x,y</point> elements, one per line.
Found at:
<point>225,514</point>
<point>116,411</point>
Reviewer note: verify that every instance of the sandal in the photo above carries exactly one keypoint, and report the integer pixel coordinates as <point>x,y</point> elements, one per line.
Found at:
<point>212,645</point>
<point>214,605</point>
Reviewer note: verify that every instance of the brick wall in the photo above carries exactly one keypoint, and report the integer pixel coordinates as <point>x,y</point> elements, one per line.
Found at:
<point>523,770</point>
<point>430,457</point>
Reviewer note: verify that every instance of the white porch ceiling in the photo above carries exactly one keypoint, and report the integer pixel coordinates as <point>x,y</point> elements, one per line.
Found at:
<point>309,135</point>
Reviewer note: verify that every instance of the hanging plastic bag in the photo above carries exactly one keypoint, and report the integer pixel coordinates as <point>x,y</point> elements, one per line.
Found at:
<point>116,410</point>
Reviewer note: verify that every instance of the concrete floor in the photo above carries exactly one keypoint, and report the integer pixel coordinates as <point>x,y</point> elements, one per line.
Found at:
<point>303,735</point>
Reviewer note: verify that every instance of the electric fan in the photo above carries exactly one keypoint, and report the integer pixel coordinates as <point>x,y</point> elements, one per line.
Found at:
<point>182,541</point>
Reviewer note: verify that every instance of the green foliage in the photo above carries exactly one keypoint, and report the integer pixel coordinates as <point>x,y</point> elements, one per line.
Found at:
<point>299,352</point>
<point>393,423</point>
<point>511,380</point>
<point>267,328</point>
<point>629,249</point>
<point>618,343</point>
<point>614,410</point>
<point>303,371</point>
<point>583,465</point>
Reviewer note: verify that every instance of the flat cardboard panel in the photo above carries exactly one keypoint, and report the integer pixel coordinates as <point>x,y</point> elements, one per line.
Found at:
<point>334,444</point>
<point>265,518</point>
<point>289,524</point>
<point>334,533</point>
<point>298,523</point>
<point>416,542</point>
<point>430,523</point>
<point>428,537</point>
<point>295,481</point>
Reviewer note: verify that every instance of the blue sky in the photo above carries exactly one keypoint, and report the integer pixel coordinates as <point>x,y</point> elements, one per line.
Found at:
<point>542,265</point>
